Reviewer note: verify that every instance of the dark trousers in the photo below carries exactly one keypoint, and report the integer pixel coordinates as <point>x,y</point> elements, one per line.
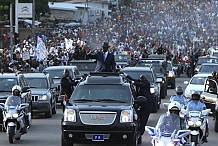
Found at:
<point>144,113</point>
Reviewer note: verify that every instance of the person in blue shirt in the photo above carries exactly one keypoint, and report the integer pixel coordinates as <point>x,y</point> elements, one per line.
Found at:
<point>179,97</point>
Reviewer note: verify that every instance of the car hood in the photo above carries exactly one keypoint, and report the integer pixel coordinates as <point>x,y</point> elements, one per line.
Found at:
<point>39,91</point>
<point>56,81</point>
<point>100,106</point>
<point>160,75</point>
<point>4,95</point>
<point>194,87</point>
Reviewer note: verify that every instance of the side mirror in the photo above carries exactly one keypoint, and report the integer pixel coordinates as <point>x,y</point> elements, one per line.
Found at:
<point>150,130</point>
<point>183,111</point>
<point>24,105</point>
<point>166,105</point>
<point>2,106</point>
<point>25,89</point>
<point>212,90</point>
<point>183,133</point>
<point>186,82</point>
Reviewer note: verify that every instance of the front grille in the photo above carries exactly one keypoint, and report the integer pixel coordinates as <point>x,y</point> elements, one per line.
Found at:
<point>35,98</point>
<point>97,117</point>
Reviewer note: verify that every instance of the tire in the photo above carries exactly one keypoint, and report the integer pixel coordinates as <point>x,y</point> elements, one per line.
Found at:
<point>155,107</point>
<point>216,126</point>
<point>48,114</point>
<point>173,85</point>
<point>162,93</point>
<point>194,139</point>
<point>54,109</point>
<point>11,133</point>
<point>140,139</point>
<point>18,138</point>
<point>134,142</point>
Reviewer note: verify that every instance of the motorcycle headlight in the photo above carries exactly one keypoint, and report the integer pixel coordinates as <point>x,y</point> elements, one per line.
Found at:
<point>170,144</point>
<point>198,123</point>
<point>126,116</point>
<point>15,115</point>
<point>152,90</point>
<point>70,115</point>
<point>190,123</point>
<point>43,97</point>
<point>159,143</point>
<point>171,74</point>
<point>8,115</point>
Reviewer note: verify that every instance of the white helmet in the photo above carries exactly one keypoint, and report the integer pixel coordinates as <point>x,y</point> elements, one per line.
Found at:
<point>16,90</point>
<point>174,106</point>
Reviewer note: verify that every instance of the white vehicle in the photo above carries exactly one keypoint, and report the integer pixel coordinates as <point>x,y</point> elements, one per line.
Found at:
<point>196,122</point>
<point>196,83</point>
<point>14,118</point>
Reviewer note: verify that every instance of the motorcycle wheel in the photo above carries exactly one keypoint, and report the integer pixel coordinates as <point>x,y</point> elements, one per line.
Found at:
<point>216,126</point>
<point>11,133</point>
<point>194,139</point>
<point>18,138</point>
<point>134,142</point>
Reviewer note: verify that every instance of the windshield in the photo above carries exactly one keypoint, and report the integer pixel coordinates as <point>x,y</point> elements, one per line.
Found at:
<point>13,101</point>
<point>207,60</point>
<point>41,83</point>
<point>167,124</point>
<point>122,58</point>
<point>85,66</point>
<point>198,80</point>
<point>101,92</point>
<point>136,74</point>
<point>7,84</point>
<point>208,68</point>
<point>58,74</point>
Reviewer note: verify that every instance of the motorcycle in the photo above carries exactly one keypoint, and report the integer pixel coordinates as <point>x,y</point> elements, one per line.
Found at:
<point>14,120</point>
<point>168,133</point>
<point>196,122</point>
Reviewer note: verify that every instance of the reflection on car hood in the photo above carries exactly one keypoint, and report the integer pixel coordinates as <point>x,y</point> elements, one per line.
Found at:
<point>195,87</point>
<point>160,75</point>
<point>103,106</point>
<point>39,91</point>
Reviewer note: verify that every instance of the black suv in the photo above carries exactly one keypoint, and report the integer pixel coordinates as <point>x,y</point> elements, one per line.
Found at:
<point>101,110</point>
<point>43,93</point>
<point>7,81</point>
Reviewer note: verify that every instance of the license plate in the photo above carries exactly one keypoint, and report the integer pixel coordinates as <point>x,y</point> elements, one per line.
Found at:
<point>98,137</point>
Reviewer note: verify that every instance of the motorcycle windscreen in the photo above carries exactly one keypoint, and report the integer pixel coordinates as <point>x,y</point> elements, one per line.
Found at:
<point>168,124</point>
<point>13,101</point>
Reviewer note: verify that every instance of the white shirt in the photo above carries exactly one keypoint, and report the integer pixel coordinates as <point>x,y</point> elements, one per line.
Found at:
<point>105,55</point>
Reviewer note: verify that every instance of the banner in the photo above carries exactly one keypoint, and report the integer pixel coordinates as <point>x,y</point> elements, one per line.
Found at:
<point>26,55</point>
<point>24,10</point>
<point>41,52</point>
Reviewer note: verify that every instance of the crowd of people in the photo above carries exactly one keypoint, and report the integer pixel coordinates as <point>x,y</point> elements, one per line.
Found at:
<point>162,27</point>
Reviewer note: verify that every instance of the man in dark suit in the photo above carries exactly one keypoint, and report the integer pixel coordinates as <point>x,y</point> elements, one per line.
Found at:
<point>105,59</point>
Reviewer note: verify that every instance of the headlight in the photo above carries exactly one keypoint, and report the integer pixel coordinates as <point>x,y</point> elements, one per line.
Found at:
<point>159,143</point>
<point>152,90</point>
<point>126,116</point>
<point>198,123</point>
<point>15,115</point>
<point>8,115</point>
<point>190,123</point>
<point>171,74</point>
<point>170,144</point>
<point>70,115</point>
<point>43,97</point>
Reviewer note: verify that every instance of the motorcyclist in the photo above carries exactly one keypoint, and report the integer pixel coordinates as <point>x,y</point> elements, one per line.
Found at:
<point>171,117</point>
<point>179,96</point>
<point>16,93</point>
<point>195,104</point>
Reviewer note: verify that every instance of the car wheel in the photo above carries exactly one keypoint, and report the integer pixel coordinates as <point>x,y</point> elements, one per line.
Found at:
<point>173,85</point>
<point>48,114</point>
<point>140,139</point>
<point>162,93</point>
<point>54,108</point>
<point>134,142</point>
<point>155,107</point>
<point>216,126</point>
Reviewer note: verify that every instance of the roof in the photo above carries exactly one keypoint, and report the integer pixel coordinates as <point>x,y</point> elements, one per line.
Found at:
<point>35,75</point>
<point>208,56</point>
<point>202,75</point>
<point>136,69</point>
<point>62,6</point>
<point>8,75</point>
<point>87,61</point>
<point>209,64</point>
<point>59,67</point>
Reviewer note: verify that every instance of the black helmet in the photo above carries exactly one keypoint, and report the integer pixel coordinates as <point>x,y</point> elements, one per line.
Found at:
<point>179,90</point>
<point>196,95</point>
<point>66,72</point>
<point>142,77</point>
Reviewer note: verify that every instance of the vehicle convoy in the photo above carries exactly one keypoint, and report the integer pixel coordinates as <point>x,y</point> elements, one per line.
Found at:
<point>210,97</point>
<point>102,109</point>
<point>14,123</point>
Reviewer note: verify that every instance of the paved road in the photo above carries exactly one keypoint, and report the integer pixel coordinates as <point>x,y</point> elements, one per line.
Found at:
<point>46,132</point>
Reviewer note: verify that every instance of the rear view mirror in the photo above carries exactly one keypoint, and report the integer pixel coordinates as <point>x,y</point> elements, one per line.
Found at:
<point>150,130</point>
<point>183,133</point>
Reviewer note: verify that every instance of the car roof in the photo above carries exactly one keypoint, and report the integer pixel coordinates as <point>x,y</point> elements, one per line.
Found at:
<point>208,56</point>
<point>137,69</point>
<point>8,75</point>
<point>209,64</point>
<point>60,67</point>
<point>35,75</point>
<point>90,60</point>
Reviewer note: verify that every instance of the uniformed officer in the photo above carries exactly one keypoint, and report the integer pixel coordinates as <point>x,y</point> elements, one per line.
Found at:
<point>179,97</point>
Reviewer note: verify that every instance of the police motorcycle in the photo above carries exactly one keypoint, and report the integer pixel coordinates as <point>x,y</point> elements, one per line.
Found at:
<point>14,123</point>
<point>168,133</point>
<point>196,121</point>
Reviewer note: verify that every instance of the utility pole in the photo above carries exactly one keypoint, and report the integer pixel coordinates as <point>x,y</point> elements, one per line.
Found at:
<point>16,16</point>
<point>11,30</point>
<point>33,18</point>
